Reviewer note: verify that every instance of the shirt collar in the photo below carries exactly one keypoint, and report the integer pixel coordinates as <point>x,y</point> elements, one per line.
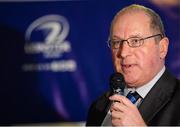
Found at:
<point>143,90</point>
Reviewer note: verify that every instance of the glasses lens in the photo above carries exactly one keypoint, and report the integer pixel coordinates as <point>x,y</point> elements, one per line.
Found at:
<point>114,44</point>
<point>134,42</point>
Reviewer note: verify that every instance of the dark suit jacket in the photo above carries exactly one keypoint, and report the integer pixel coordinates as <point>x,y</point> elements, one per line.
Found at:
<point>161,106</point>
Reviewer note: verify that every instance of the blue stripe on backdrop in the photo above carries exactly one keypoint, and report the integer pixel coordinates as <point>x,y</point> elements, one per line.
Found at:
<point>55,60</point>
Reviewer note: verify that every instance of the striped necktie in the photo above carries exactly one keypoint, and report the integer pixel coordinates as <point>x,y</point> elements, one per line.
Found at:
<point>134,97</point>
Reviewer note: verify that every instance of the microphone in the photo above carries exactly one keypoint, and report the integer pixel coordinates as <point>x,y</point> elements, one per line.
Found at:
<point>117,83</point>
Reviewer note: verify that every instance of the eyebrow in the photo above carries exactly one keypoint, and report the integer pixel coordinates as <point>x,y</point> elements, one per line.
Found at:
<point>136,35</point>
<point>115,37</point>
<point>131,36</point>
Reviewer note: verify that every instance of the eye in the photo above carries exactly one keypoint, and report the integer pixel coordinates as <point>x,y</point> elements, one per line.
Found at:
<point>115,43</point>
<point>134,41</point>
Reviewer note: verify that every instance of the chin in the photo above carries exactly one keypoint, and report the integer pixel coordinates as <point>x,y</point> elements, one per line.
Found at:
<point>132,85</point>
<point>131,82</point>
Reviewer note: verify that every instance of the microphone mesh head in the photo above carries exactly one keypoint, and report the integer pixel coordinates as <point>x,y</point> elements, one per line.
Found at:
<point>117,82</point>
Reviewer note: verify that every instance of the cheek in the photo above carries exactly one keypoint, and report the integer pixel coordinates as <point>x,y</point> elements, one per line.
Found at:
<point>148,59</point>
<point>116,61</point>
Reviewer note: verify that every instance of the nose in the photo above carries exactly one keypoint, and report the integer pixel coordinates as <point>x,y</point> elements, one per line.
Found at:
<point>124,50</point>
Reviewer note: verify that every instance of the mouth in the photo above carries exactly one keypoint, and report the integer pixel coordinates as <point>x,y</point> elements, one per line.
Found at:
<point>127,66</point>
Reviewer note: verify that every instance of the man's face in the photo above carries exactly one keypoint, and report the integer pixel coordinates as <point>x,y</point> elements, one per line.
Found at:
<point>138,65</point>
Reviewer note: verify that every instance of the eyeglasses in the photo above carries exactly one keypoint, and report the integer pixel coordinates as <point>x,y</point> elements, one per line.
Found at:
<point>132,42</point>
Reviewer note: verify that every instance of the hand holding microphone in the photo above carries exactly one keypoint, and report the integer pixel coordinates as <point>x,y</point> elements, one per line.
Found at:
<point>123,111</point>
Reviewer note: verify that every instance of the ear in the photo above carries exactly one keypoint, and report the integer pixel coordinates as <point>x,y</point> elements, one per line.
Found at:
<point>163,46</point>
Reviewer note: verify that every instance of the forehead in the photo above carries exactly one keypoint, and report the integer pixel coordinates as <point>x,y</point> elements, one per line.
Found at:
<point>130,24</point>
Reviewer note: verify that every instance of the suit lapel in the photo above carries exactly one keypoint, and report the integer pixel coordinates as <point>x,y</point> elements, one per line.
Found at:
<point>158,97</point>
<point>102,106</point>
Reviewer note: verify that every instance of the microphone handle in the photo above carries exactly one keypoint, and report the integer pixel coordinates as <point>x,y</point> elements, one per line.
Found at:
<point>115,91</point>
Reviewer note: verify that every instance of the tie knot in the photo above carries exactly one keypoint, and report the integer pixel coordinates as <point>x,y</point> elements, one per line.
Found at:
<point>133,96</point>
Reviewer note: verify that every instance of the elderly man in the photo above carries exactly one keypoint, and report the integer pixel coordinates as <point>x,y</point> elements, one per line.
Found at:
<point>139,47</point>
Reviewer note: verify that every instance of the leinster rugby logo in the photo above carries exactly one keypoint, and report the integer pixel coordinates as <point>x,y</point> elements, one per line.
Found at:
<point>47,36</point>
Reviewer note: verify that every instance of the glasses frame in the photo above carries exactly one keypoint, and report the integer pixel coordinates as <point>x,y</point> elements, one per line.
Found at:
<point>140,39</point>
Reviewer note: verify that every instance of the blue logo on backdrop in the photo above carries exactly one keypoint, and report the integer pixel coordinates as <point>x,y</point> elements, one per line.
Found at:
<point>47,44</point>
<point>47,36</point>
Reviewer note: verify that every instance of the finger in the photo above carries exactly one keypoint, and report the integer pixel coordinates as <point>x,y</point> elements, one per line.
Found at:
<point>117,106</point>
<point>121,99</point>
<point>116,118</point>
<point>116,114</point>
<point>116,122</point>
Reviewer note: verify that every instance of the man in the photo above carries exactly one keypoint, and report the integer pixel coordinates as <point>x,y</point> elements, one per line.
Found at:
<point>139,47</point>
